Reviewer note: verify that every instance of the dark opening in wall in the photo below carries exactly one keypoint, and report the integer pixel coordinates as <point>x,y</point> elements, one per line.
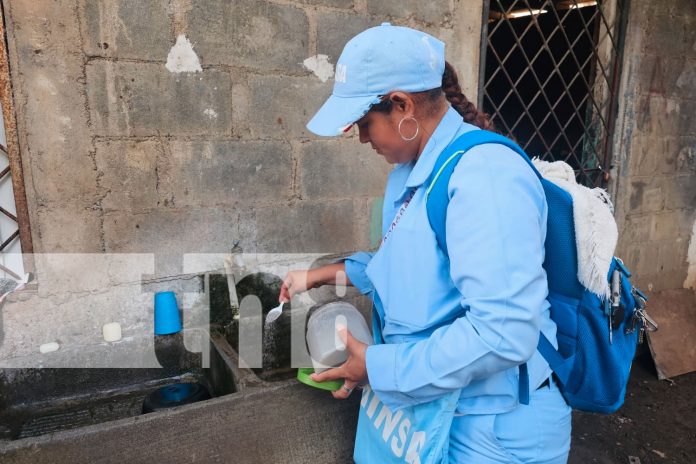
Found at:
<point>550,75</point>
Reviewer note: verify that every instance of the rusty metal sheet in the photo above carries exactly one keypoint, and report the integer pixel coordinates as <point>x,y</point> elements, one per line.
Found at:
<point>673,346</point>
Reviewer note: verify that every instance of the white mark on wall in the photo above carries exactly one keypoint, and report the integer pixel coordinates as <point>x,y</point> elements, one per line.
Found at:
<point>182,58</point>
<point>211,113</point>
<point>66,121</point>
<point>687,78</point>
<point>46,84</point>
<point>690,281</point>
<point>258,167</point>
<point>66,126</point>
<point>111,26</point>
<point>208,151</point>
<point>686,159</point>
<point>672,107</point>
<point>116,95</point>
<point>320,66</point>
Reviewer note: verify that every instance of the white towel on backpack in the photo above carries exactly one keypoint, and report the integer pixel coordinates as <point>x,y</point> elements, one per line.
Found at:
<point>596,233</point>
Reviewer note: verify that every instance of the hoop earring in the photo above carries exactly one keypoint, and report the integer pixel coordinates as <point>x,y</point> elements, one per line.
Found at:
<point>414,135</point>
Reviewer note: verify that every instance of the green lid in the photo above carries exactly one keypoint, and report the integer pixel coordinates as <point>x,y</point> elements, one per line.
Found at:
<point>303,374</point>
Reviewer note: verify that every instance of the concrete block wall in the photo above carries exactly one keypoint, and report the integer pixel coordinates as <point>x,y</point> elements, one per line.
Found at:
<point>656,152</point>
<point>117,146</point>
<point>124,151</point>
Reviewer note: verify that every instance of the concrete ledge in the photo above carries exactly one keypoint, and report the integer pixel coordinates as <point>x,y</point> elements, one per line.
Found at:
<point>289,423</point>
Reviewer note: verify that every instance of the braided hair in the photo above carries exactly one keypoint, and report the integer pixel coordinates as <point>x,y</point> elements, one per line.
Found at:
<point>453,93</point>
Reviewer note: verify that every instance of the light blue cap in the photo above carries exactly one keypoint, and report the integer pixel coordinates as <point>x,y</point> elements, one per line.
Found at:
<point>375,62</point>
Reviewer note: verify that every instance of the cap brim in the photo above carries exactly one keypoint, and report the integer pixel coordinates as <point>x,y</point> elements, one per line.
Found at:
<point>338,112</point>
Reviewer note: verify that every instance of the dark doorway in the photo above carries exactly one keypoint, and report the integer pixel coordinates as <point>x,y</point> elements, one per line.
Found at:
<point>550,77</point>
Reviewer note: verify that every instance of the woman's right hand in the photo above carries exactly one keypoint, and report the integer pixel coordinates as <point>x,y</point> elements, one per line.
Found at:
<point>304,279</point>
<point>297,281</point>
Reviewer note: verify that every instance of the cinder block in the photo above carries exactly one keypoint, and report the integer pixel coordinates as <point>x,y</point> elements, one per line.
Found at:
<point>687,123</point>
<point>643,158</point>
<point>65,172</point>
<point>52,125</point>
<point>646,195</point>
<point>429,12</point>
<point>668,35</point>
<point>650,156</point>
<point>462,49</point>
<point>128,174</point>
<point>671,265</point>
<point>658,264</point>
<point>138,29</point>
<point>636,229</point>
<point>686,159</point>
<point>250,33</point>
<point>682,8</point>
<point>275,106</point>
<point>667,151</point>
<point>304,227</point>
<point>676,8</point>
<point>672,259</point>
<point>342,169</point>
<point>658,116</point>
<point>68,229</point>
<point>285,227</point>
<point>209,173</point>
<point>668,225</point>
<point>647,256</point>
<point>335,29</point>
<point>146,99</point>
<point>666,76</point>
<point>681,191</point>
<point>173,231</point>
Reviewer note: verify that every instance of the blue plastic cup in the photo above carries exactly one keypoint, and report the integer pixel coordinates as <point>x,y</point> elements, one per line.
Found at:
<point>167,318</point>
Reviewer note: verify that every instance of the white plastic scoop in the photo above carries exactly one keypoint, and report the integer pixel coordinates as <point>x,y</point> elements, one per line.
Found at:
<point>274,313</point>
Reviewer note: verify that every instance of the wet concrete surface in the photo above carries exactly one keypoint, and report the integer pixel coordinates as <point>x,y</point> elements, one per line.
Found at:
<point>285,422</point>
<point>35,402</point>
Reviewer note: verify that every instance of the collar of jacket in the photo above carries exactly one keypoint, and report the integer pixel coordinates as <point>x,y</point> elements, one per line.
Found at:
<point>441,137</point>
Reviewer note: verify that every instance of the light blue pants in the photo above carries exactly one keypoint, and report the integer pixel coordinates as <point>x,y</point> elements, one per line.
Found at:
<point>535,433</point>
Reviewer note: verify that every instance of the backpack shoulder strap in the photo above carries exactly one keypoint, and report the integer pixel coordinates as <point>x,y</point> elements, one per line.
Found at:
<point>436,193</point>
<point>437,200</point>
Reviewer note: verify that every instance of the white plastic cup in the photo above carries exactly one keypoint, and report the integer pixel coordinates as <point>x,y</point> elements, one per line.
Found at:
<point>111,332</point>
<point>326,348</point>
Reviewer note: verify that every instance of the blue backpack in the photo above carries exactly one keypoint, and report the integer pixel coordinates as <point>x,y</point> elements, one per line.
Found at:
<point>596,339</point>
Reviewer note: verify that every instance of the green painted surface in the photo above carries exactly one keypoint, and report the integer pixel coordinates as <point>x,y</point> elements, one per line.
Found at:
<point>376,221</point>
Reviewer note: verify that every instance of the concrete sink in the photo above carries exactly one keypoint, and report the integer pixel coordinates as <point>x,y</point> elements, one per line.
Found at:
<point>93,415</point>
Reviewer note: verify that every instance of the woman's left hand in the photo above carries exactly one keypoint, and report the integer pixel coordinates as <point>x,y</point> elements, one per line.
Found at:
<point>354,370</point>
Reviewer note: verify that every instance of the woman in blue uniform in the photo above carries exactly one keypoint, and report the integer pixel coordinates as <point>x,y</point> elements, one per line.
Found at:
<point>465,322</point>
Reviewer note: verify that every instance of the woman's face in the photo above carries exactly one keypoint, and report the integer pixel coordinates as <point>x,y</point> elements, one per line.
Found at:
<point>381,131</point>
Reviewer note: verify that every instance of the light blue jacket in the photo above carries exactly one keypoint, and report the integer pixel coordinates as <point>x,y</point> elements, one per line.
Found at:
<point>467,322</point>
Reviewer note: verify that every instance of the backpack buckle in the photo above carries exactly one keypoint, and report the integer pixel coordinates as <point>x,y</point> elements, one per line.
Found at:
<point>638,294</point>
<point>622,266</point>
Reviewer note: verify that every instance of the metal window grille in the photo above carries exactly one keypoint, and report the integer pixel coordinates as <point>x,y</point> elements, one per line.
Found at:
<point>550,78</point>
<point>15,234</point>
<point>10,265</point>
